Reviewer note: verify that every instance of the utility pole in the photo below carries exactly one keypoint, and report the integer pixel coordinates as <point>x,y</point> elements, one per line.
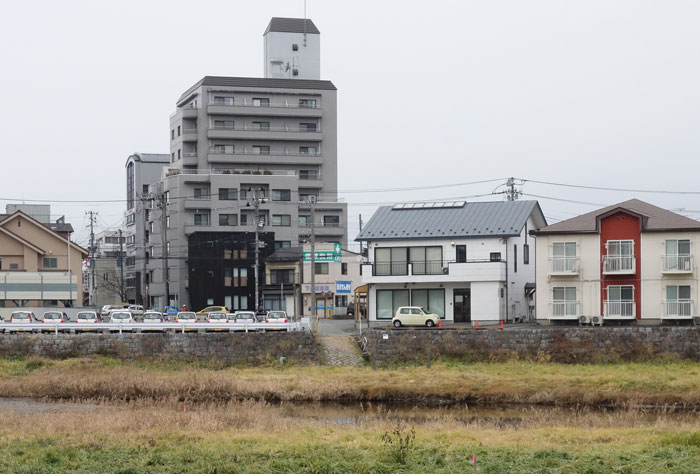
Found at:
<point>121,268</point>
<point>93,283</point>
<point>255,200</point>
<point>145,300</point>
<point>360,216</point>
<point>312,200</point>
<point>163,204</point>
<point>511,193</point>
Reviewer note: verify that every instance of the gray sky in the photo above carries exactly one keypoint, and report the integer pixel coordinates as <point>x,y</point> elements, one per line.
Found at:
<point>429,93</point>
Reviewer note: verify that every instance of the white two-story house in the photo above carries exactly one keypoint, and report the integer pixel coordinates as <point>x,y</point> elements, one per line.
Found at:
<point>465,261</point>
<point>632,262</point>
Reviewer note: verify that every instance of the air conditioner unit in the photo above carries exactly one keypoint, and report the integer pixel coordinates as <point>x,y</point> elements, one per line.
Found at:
<point>597,320</point>
<point>445,270</point>
<point>584,320</point>
<point>696,320</point>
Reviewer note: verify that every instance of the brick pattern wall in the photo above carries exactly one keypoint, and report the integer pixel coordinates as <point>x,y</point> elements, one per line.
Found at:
<point>568,345</point>
<point>251,348</point>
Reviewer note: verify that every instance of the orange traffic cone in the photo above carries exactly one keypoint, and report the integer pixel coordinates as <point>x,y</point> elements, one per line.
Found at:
<point>476,324</point>
<point>501,325</point>
<point>440,324</point>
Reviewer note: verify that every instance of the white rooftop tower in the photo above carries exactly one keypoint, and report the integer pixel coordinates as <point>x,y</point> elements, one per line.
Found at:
<point>292,49</point>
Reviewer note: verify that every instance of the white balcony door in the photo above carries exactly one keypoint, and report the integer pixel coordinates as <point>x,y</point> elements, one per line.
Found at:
<point>677,255</point>
<point>678,301</point>
<point>564,256</point>
<point>620,255</point>
<point>620,300</point>
<point>564,301</point>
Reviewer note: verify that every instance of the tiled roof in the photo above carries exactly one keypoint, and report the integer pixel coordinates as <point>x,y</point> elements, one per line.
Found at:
<point>654,218</point>
<point>289,254</point>
<point>474,219</point>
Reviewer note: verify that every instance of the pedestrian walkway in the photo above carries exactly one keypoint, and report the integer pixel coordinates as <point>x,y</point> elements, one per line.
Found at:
<point>339,350</point>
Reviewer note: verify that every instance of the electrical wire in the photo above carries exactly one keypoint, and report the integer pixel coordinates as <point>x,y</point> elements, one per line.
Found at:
<point>602,188</point>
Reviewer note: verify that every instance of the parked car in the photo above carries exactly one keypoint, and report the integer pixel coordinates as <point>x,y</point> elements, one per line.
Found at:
<point>217,318</point>
<point>245,317</point>
<point>212,309</point>
<point>351,309</point>
<point>276,317</point>
<point>414,316</point>
<point>20,317</point>
<point>86,317</point>
<point>53,317</point>
<point>153,321</point>
<point>123,317</point>
<point>186,317</point>
<point>169,312</point>
<point>136,310</point>
<point>108,308</point>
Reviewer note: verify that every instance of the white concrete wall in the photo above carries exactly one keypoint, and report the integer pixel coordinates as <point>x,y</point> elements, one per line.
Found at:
<point>307,59</point>
<point>517,301</point>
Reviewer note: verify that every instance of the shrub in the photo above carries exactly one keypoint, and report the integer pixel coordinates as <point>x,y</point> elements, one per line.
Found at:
<point>399,441</point>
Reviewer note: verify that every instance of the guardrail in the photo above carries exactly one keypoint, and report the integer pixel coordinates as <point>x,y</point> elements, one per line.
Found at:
<point>142,327</point>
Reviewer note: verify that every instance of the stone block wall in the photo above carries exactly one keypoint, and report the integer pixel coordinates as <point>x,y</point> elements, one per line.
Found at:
<point>250,348</point>
<point>568,345</point>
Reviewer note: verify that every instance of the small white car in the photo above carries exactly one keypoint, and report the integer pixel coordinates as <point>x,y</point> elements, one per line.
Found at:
<point>86,317</point>
<point>414,316</point>
<point>244,317</point>
<point>123,317</point>
<point>152,321</point>
<point>186,317</point>
<point>21,317</point>
<point>136,310</point>
<point>217,318</point>
<point>53,317</point>
<point>276,317</point>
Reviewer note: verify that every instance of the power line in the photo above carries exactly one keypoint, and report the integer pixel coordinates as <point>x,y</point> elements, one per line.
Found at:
<point>602,188</point>
<point>565,200</point>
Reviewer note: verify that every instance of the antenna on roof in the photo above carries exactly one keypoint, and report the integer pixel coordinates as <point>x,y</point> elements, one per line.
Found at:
<point>305,23</point>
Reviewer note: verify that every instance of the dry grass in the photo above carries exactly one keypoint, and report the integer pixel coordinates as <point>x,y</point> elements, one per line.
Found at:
<point>673,383</point>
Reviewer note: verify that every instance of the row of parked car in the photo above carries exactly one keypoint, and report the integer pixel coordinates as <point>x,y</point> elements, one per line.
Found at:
<point>150,318</point>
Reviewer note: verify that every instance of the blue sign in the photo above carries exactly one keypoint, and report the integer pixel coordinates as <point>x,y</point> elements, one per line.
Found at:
<point>324,307</point>
<point>343,286</point>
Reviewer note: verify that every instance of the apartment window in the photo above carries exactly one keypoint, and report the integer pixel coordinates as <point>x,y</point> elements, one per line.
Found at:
<point>331,221</point>
<point>144,190</point>
<point>224,149</point>
<point>201,219</point>
<point>425,260</point>
<point>172,134</point>
<point>172,157</point>
<point>282,244</point>
<point>564,301</point>
<point>321,268</point>
<point>14,266</point>
<point>130,219</point>
<point>308,197</point>
<point>295,47</point>
<point>178,130</point>
<point>391,261</point>
<point>343,268</point>
<point>130,261</point>
<point>678,301</point>
<point>223,100</point>
<point>515,258</point>
<point>461,256</point>
<point>179,153</point>
<point>677,257</point>
<point>201,193</point>
<point>261,150</point>
<point>495,256</point>
<point>308,174</point>
<point>307,150</point>
<point>130,239</point>
<point>228,219</point>
<point>281,220</point>
<point>261,125</point>
<point>304,221</point>
<point>432,301</point>
<point>620,301</point>
<point>223,124</point>
<point>526,254</point>
<point>388,301</point>
<point>278,277</point>
<point>228,194</point>
<point>50,262</point>
<point>281,195</point>
<point>307,127</point>
<point>307,103</point>
<point>620,255</point>
<point>244,218</point>
<point>261,102</point>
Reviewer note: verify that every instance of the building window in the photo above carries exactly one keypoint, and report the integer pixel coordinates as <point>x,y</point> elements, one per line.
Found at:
<point>461,256</point>
<point>201,219</point>
<point>179,153</point>
<point>223,149</point>
<point>223,124</point>
<point>130,239</point>
<point>130,261</point>
<point>563,257</point>
<point>321,268</point>
<point>388,301</point>
<point>14,266</point>
<point>307,127</point>
<point>144,191</point>
<point>228,219</point>
<point>295,47</point>
<point>515,258</point>
<point>50,302</point>
<point>678,301</point>
<point>228,194</point>
<point>201,193</point>
<point>526,254</point>
<point>281,277</point>
<point>244,218</point>
<point>223,100</point>
<point>261,150</point>
<point>425,260</point>
<point>620,301</point>
<point>341,301</point>
<point>307,103</point>
<point>343,268</point>
<point>261,126</point>
<point>432,301</point>
<point>281,220</point>
<point>304,221</point>
<point>495,256</point>
<point>308,197</point>
<point>307,150</point>
<point>677,257</point>
<point>564,301</point>
<point>308,174</point>
<point>390,261</point>
<point>282,244</point>
<point>281,195</point>
<point>331,221</point>
<point>172,134</point>
<point>261,102</point>
<point>130,219</point>
<point>172,157</point>
<point>50,262</point>
<point>619,256</point>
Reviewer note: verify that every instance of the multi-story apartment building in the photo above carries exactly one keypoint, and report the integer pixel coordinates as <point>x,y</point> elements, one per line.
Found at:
<point>465,261</point>
<point>237,140</point>
<point>631,262</point>
<point>142,170</point>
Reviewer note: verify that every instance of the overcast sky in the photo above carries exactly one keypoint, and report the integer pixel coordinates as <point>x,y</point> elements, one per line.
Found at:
<point>589,92</point>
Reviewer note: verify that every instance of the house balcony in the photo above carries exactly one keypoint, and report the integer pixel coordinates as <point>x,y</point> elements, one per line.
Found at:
<point>197,203</point>
<point>248,156</point>
<point>274,110</point>
<point>189,112</point>
<point>564,310</point>
<point>677,309</point>
<point>426,272</point>
<point>189,135</point>
<point>677,264</point>
<point>190,158</point>
<point>564,266</point>
<point>249,133</point>
<point>619,309</point>
<point>619,265</point>
<point>324,231</point>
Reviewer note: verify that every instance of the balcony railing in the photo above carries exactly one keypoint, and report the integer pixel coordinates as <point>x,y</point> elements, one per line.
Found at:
<point>253,128</point>
<point>677,263</point>
<point>429,267</point>
<point>564,265</point>
<point>619,264</point>
<point>249,103</point>
<point>677,308</point>
<point>564,309</point>
<point>620,309</point>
